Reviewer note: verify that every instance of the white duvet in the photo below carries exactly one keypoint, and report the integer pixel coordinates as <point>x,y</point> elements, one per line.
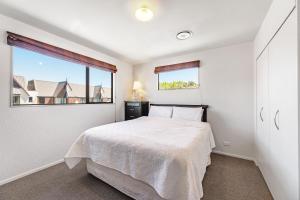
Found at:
<point>169,155</point>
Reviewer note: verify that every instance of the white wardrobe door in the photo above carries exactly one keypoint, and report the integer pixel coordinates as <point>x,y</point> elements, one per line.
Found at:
<point>276,15</point>
<point>284,112</point>
<point>263,133</point>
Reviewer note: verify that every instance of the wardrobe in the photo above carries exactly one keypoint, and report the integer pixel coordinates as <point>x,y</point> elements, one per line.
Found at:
<point>276,138</point>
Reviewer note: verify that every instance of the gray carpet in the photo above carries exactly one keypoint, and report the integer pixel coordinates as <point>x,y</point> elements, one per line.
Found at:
<point>226,179</point>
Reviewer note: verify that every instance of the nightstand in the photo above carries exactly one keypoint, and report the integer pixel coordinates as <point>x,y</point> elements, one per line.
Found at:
<point>136,109</point>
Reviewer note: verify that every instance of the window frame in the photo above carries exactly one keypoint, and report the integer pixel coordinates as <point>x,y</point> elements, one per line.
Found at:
<point>87,85</point>
<point>87,88</point>
<point>158,83</point>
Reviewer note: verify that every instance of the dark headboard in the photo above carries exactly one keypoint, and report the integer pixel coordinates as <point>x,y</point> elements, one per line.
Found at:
<point>204,107</point>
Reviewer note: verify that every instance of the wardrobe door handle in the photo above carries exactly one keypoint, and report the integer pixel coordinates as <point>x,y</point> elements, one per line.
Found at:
<point>275,120</point>
<point>261,118</point>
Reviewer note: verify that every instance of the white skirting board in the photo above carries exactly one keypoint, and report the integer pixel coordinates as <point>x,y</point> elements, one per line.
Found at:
<point>234,155</point>
<point>2,182</point>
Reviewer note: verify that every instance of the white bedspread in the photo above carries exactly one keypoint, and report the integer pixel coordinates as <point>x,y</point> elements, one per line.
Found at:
<point>169,155</point>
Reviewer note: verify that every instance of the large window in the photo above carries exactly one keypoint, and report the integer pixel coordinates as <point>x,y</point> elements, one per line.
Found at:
<point>43,80</point>
<point>179,79</point>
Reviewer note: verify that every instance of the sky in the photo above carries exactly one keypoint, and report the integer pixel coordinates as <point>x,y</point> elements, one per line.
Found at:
<point>36,66</point>
<point>180,75</point>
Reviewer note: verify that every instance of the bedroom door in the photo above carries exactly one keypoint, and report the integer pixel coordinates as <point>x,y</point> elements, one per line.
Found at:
<point>262,113</point>
<point>284,111</point>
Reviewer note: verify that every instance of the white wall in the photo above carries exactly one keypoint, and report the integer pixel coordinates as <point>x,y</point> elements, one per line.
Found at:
<point>34,136</point>
<point>226,84</point>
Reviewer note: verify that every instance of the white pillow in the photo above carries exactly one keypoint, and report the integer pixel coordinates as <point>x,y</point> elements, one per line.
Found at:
<point>160,111</point>
<point>193,114</point>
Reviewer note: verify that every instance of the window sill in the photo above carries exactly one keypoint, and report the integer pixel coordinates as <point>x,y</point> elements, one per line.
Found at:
<point>54,105</point>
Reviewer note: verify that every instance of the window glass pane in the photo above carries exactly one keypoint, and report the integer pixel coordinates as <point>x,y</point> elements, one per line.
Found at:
<point>180,79</point>
<point>100,86</point>
<point>40,79</point>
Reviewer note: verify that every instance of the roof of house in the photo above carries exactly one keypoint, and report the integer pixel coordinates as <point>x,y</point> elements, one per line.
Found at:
<point>106,92</point>
<point>21,80</point>
<point>19,85</point>
<point>60,89</point>
<point>72,90</point>
<point>44,88</point>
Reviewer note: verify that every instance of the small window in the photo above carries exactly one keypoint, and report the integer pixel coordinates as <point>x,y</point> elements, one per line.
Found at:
<point>179,79</point>
<point>16,100</point>
<point>43,80</point>
<point>41,100</point>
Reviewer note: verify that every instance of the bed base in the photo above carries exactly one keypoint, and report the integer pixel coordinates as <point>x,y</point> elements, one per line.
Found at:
<point>133,188</point>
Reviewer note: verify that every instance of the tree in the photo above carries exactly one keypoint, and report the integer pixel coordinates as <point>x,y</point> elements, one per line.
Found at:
<point>177,85</point>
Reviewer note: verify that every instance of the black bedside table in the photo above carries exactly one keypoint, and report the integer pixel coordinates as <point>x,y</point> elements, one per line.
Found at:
<point>136,109</point>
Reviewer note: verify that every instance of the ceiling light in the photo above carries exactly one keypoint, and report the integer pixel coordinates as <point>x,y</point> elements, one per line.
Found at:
<point>183,35</point>
<point>144,14</point>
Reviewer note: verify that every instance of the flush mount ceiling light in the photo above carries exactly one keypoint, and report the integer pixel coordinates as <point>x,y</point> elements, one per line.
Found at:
<point>144,14</point>
<point>183,35</point>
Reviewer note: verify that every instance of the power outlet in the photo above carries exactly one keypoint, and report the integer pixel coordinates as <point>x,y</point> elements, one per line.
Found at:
<point>227,143</point>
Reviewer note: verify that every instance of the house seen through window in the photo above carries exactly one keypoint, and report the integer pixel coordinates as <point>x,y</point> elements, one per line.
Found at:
<point>179,79</point>
<point>40,79</point>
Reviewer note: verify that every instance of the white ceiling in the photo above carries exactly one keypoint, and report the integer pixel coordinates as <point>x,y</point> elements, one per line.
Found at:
<point>110,25</point>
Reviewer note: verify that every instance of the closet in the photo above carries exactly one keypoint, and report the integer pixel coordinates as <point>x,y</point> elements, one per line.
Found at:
<point>277,112</point>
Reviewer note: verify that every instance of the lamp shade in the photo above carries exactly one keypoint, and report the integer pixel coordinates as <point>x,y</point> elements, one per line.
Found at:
<point>137,85</point>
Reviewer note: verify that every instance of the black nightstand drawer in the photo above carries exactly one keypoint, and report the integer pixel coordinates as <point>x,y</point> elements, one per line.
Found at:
<point>129,117</point>
<point>133,104</point>
<point>136,109</point>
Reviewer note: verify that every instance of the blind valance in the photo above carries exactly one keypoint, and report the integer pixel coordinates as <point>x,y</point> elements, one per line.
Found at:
<point>178,66</point>
<point>50,50</point>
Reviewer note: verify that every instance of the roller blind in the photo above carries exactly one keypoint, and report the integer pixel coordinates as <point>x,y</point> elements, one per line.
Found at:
<point>50,50</point>
<point>178,66</point>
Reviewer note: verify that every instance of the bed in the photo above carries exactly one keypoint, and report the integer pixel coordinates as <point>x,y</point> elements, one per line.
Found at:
<point>149,158</point>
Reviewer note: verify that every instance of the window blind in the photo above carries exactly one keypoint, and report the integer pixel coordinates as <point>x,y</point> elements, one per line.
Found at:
<point>50,50</point>
<point>178,66</point>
